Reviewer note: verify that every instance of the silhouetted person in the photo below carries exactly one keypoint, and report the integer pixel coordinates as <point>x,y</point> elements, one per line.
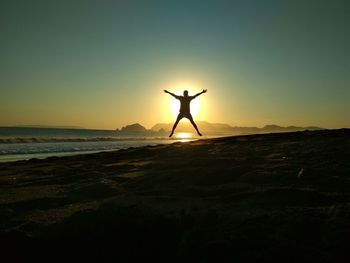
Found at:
<point>185,112</point>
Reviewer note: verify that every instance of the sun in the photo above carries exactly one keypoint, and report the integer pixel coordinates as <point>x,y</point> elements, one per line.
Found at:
<point>174,104</point>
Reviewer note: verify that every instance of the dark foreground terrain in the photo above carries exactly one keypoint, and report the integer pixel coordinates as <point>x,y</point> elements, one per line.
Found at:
<point>274,197</point>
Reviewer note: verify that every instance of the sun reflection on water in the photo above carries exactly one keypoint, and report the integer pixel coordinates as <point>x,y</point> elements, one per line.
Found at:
<point>184,136</point>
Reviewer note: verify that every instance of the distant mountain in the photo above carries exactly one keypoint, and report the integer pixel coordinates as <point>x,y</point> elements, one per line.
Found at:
<point>136,127</point>
<point>225,129</point>
<point>214,128</point>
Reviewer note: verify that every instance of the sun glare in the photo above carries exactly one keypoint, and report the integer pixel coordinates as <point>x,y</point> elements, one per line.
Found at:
<point>183,136</point>
<point>174,104</point>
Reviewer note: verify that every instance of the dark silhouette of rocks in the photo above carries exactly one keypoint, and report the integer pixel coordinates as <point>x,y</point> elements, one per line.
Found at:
<point>226,129</point>
<point>136,127</point>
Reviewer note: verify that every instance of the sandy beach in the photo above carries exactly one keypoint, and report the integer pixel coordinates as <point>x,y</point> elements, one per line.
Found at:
<point>282,197</point>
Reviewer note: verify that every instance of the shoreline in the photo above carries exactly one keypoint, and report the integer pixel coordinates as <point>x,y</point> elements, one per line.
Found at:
<point>33,152</point>
<point>264,197</point>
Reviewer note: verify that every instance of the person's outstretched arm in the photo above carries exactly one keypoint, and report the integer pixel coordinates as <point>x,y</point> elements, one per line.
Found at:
<point>204,91</point>
<point>172,94</point>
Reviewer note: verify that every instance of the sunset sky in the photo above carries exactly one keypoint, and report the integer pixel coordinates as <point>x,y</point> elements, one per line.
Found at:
<point>105,64</point>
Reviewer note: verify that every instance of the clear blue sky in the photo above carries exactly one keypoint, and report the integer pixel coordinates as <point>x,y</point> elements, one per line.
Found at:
<point>104,64</point>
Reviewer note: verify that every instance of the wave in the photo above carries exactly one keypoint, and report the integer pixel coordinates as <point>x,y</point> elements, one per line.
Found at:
<point>48,149</point>
<point>72,146</point>
<point>33,146</point>
<point>10,140</point>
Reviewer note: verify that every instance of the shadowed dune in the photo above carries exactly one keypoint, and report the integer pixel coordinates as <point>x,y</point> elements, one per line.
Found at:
<point>282,197</point>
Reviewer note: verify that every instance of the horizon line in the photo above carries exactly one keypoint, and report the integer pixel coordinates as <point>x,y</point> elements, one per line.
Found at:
<point>73,127</point>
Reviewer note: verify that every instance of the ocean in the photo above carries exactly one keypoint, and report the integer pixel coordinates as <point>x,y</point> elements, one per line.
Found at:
<point>17,143</point>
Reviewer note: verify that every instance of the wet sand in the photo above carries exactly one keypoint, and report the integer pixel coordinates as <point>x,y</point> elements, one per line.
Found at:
<point>269,197</point>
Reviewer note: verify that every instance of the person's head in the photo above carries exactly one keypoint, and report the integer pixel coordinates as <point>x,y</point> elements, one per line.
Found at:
<point>185,93</point>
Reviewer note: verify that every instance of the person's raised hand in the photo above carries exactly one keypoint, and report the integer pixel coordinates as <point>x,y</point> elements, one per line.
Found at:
<point>204,91</point>
<point>166,91</point>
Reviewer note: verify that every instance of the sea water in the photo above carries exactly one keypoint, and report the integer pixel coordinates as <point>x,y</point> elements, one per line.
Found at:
<point>26,143</point>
